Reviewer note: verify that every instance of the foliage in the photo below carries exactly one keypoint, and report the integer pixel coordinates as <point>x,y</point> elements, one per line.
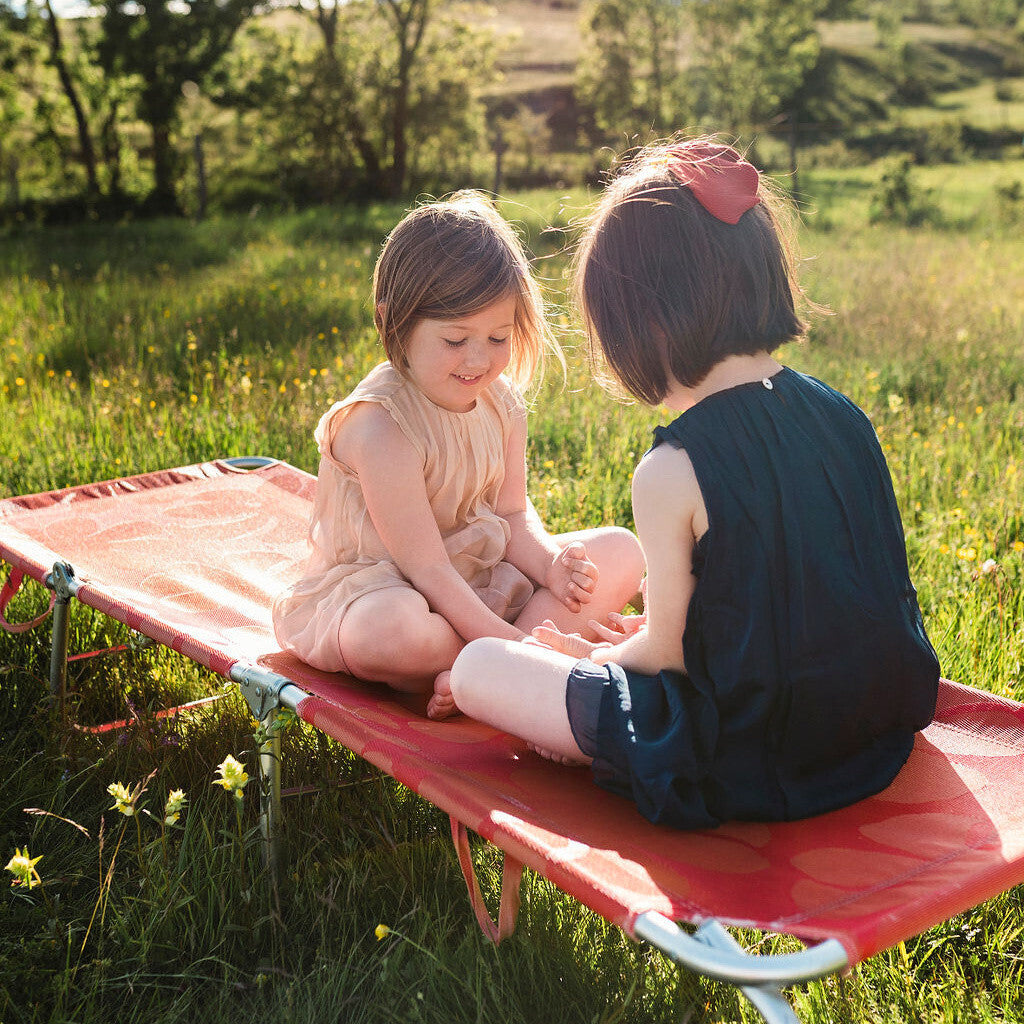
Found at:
<point>630,71</point>
<point>321,116</point>
<point>751,58</point>
<point>897,198</point>
<point>729,64</point>
<point>165,45</point>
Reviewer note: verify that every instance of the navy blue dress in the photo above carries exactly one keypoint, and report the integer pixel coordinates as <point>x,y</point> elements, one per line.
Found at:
<point>808,669</point>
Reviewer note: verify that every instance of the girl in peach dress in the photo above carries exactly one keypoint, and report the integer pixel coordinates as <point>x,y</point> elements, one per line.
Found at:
<point>422,536</point>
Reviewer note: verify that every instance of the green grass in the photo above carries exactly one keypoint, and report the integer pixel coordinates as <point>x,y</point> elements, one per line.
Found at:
<point>137,347</point>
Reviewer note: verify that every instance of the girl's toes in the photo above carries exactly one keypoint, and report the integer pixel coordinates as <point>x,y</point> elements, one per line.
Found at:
<point>442,703</point>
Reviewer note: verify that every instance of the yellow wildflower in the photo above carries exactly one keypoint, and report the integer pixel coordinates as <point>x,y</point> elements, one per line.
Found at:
<point>233,776</point>
<point>23,867</point>
<point>176,800</point>
<point>381,931</point>
<point>122,799</point>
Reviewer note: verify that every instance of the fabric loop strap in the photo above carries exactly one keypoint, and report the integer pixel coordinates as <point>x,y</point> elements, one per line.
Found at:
<point>511,875</point>
<point>11,586</point>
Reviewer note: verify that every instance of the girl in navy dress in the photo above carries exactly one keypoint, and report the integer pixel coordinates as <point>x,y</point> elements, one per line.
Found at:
<point>781,667</point>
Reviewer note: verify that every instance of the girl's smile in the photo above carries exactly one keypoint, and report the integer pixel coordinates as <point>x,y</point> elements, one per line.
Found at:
<point>453,361</point>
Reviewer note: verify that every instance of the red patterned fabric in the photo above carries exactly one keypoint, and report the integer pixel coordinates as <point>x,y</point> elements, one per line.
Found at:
<point>947,834</point>
<point>194,557</point>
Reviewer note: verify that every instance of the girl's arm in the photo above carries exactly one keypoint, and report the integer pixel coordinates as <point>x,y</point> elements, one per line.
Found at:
<point>390,475</point>
<point>668,511</point>
<point>567,573</point>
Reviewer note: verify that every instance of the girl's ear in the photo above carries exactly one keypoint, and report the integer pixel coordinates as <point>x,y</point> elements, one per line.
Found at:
<point>378,314</point>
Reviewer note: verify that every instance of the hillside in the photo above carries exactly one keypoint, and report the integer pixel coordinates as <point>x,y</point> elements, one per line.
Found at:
<point>953,71</point>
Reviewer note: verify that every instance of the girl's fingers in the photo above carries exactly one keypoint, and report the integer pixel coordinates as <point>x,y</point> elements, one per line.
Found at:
<point>553,638</point>
<point>612,635</point>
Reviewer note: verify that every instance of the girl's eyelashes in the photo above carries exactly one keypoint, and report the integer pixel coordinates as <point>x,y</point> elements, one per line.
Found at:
<point>458,342</point>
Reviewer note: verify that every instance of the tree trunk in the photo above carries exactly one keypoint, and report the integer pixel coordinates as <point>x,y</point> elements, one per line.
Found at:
<point>327,21</point>
<point>110,145</point>
<point>9,162</point>
<point>162,199</point>
<point>409,24</point>
<point>499,151</point>
<point>68,85</point>
<point>399,130</point>
<point>656,108</point>
<point>200,177</point>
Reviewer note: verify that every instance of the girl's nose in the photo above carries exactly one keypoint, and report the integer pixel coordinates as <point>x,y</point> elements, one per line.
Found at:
<point>477,358</point>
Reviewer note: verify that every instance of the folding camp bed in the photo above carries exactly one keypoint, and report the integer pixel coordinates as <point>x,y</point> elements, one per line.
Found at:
<point>192,558</point>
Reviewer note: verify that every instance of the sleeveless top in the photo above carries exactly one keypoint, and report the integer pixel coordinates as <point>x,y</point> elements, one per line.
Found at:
<point>463,458</point>
<point>808,670</point>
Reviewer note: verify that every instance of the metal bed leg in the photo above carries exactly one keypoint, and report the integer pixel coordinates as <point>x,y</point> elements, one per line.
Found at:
<point>62,581</point>
<point>270,790</point>
<point>768,999</point>
<point>267,693</point>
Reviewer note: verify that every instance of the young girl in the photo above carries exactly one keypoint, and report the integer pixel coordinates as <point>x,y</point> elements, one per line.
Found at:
<point>781,668</point>
<point>422,535</point>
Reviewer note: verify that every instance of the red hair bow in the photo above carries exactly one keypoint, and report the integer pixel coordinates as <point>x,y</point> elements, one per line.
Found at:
<point>720,179</point>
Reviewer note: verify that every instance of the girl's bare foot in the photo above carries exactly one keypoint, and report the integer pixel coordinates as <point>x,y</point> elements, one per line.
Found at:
<point>442,703</point>
<point>550,755</point>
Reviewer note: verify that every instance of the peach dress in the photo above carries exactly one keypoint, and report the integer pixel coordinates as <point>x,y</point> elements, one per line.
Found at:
<point>463,466</point>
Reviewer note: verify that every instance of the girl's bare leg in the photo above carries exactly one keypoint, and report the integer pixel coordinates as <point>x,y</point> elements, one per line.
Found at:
<point>518,688</point>
<point>620,561</point>
<point>617,554</point>
<point>391,636</point>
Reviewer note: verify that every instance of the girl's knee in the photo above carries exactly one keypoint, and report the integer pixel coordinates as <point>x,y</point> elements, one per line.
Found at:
<point>415,641</point>
<point>471,667</point>
<point>620,556</point>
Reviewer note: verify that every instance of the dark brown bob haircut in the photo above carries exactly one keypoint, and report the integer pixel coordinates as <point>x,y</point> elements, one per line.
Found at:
<point>454,257</point>
<point>666,290</point>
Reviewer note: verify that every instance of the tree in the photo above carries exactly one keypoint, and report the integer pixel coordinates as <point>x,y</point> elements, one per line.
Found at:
<point>605,72</point>
<point>391,78</point>
<point>59,61</point>
<point>166,43</point>
<point>43,69</point>
<point>750,58</point>
<point>629,73</point>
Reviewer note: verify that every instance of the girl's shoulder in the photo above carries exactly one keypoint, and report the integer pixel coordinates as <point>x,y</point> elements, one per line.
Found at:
<point>507,396</point>
<point>381,389</point>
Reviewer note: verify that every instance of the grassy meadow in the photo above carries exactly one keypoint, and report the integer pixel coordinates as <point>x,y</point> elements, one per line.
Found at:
<point>141,346</point>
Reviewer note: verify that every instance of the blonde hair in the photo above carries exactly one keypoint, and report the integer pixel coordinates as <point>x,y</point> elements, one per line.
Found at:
<point>454,257</point>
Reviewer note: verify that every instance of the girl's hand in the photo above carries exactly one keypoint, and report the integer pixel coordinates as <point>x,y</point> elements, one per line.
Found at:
<point>619,627</point>
<point>549,635</point>
<point>572,576</point>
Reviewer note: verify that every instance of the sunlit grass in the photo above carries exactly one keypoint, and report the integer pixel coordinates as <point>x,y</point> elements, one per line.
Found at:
<point>144,346</point>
